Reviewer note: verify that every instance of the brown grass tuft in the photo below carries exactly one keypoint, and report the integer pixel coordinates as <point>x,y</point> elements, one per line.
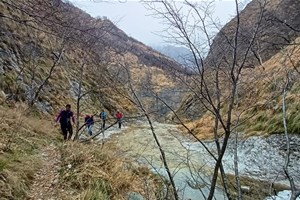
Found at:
<point>99,173</point>
<point>21,137</point>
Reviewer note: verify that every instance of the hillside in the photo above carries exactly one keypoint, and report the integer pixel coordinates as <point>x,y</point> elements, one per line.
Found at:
<point>274,54</point>
<point>180,54</point>
<point>51,52</point>
<point>276,23</point>
<point>260,106</point>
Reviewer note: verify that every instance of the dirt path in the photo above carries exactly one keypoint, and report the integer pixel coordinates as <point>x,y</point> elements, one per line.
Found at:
<point>46,179</point>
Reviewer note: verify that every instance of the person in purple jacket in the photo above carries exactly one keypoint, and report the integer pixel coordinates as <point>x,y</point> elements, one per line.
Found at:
<point>64,119</point>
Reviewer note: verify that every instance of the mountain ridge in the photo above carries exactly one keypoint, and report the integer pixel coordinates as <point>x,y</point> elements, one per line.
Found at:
<point>276,24</point>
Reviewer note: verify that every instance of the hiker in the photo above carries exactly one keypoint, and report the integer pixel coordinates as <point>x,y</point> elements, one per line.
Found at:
<point>119,117</point>
<point>103,118</point>
<point>64,119</point>
<point>89,122</point>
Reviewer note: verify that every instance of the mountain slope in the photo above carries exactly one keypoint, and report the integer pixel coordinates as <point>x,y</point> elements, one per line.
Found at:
<point>52,53</point>
<point>180,54</point>
<point>276,23</point>
<point>259,95</point>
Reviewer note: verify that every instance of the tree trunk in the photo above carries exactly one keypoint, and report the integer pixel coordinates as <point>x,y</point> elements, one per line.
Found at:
<point>79,96</point>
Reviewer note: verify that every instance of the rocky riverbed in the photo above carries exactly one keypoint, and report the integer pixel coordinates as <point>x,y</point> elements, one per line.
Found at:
<point>261,158</point>
<point>264,157</point>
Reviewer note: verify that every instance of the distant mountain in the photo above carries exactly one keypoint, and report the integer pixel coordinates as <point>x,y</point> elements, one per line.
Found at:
<point>179,53</point>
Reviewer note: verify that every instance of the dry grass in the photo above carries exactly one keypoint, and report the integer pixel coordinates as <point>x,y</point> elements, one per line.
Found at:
<point>259,189</point>
<point>88,171</point>
<point>151,77</point>
<point>203,128</point>
<point>100,173</point>
<point>21,137</point>
<point>260,98</point>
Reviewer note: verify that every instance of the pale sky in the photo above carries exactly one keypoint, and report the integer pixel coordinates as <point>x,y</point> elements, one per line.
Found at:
<point>133,18</point>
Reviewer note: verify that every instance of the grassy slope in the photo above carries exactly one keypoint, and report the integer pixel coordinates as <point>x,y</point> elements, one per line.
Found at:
<point>27,55</point>
<point>21,138</point>
<point>95,172</point>
<point>260,98</point>
<point>265,113</point>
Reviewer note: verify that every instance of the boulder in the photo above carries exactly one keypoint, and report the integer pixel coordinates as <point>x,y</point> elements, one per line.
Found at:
<point>135,196</point>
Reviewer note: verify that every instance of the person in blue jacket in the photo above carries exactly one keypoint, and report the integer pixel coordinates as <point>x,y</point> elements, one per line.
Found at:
<point>103,118</point>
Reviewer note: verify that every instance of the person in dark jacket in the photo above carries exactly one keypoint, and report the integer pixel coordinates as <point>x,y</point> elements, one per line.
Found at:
<point>89,122</point>
<point>64,119</point>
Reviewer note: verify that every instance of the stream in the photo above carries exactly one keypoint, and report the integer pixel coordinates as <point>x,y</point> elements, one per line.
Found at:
<point>260,158</point>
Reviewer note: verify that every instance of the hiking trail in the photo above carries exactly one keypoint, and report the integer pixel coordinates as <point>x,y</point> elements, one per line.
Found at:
<point>46,179</point>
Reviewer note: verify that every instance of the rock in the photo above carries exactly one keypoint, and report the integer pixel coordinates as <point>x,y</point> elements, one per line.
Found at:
<point>1,69</point>
<point>2,95</point>
<point>245,188</point>
<point>54,182</point>
<point>260,157</point>
<point>44,106</point>
<point>135,196</point>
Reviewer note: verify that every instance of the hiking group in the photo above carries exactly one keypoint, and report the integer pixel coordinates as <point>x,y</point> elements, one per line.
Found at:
<point>65,117</point>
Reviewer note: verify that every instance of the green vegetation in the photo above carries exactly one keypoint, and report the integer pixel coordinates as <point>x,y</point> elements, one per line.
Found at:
<point>270,122</point>
<point>99,189</point>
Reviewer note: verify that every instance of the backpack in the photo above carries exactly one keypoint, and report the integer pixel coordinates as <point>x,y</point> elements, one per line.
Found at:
<point>103,115</point>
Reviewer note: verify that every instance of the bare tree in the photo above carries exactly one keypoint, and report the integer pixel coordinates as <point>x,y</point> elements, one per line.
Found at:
<point>134,98</point>
<point>295,192</point>
<point>226,72</point>
<point>56,62</point>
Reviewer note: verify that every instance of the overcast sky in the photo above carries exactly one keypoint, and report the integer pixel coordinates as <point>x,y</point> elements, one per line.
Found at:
<point>133,18</point>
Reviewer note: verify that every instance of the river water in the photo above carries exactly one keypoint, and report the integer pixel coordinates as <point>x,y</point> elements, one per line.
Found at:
<point>189,166</point>
<point>259,157</point>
